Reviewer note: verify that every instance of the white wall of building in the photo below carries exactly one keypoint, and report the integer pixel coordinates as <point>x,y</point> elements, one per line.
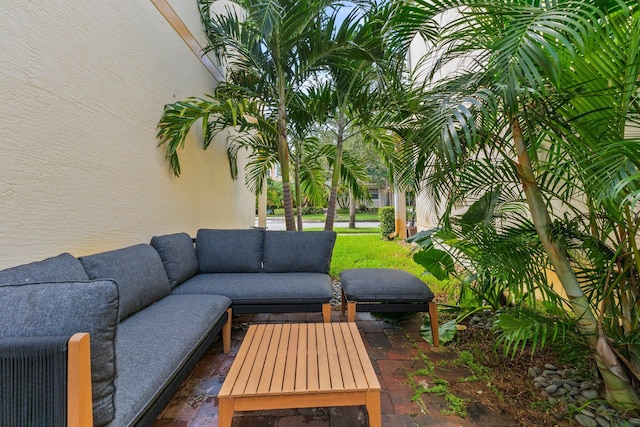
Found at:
<point>82,86</point>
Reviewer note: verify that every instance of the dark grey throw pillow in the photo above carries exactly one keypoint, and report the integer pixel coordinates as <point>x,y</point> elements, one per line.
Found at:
<point>229,251</point>
<point>137,270</point>
<point>178,256</point>
<point>65,308</point>
<point>61,268</point>
<point>298,251</point>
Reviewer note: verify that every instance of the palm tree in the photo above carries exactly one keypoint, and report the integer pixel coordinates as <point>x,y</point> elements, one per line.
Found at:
<point>514,93</point>
<point>270,49</point>
<point>355,91</point>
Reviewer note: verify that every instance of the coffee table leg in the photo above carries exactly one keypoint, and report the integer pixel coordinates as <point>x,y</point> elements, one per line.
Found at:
<point>373,408</point>
<point>351,312</point>
<point>225,412</point>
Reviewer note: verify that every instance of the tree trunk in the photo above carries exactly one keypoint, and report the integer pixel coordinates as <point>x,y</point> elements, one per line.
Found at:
<point>352,211</point>
<point>619,391</point>
<point>298,190</point>
<point>335,178</point>
<point>283,157</point>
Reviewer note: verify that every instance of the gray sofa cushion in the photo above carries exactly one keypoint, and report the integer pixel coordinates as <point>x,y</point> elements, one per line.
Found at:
<point>289,251</point>
<point>178,256</point>
<point>383,285</point>
<point>137,270</point>
<point>65,308</point>
<point>262,288</point>
<point>154,343</point>
<point>229,251</point>
<point>61,268</point>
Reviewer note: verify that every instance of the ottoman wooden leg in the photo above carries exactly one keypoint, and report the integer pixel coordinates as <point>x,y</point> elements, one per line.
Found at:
<point>433,318</point>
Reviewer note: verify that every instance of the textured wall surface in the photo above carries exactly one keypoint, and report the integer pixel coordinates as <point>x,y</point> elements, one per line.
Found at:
<point>82,86</point>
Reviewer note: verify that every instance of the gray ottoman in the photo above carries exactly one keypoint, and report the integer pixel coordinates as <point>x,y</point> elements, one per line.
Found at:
<point>385,290</point>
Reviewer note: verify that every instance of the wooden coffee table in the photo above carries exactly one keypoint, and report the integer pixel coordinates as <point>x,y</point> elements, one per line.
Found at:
<point>305,365</point>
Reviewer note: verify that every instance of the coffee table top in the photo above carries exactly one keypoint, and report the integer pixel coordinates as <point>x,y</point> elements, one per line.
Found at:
<point>300,358</point>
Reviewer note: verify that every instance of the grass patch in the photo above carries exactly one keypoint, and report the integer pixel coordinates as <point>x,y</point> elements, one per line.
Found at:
<point>371,251</point>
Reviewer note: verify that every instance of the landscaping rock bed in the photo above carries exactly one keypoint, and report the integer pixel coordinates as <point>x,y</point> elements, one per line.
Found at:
<point>336,300</point>
<point>579,400</point>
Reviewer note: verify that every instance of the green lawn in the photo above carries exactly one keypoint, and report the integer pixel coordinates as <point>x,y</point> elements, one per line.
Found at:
<point>371,251</point>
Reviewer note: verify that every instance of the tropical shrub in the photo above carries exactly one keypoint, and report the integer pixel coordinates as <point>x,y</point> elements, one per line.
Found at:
<point>539,101</point>
<point>387,217</point>
<point>312,210</point>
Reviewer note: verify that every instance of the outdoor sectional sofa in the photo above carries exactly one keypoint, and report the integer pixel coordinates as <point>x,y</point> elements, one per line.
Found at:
<point>151,311</point>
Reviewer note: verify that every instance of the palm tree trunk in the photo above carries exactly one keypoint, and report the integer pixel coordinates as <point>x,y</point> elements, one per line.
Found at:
<point>352,211</point>
<point>619,391</point>
<point>283,157</point>
<point>335,178</point>
<point>298,190</point>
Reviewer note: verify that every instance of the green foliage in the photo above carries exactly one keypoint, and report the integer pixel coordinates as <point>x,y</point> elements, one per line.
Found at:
<point>467,359</point>
<point>494,267</point>
<point>312,210</point>
<point>361,210</point>
<point>542,115</point>
<point>371,251</point>
<point>446,331</point>
<point>436,262</point>
<point>520,328</point>
<point>274,194</point>
<point>457,405</point>
<point>387,218</point>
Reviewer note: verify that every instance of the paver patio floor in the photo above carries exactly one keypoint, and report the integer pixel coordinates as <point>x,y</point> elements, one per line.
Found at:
<point>393,352</point>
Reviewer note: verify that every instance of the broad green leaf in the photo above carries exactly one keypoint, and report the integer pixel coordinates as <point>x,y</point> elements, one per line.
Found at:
<point>436,262</point>
<point>446,331</point>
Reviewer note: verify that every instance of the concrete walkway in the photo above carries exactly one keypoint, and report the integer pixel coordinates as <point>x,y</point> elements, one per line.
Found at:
<point>277,223</point>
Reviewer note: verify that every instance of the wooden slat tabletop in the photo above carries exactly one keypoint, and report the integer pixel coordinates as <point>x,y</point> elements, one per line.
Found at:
<point>300,359</point>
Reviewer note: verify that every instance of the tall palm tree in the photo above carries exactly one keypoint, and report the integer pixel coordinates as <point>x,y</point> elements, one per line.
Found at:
<point>355,90</point>
<point>270,49</point>
<point>506,66</point>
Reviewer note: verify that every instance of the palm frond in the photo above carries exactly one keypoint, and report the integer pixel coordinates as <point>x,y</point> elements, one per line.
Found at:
<point>519,329</point>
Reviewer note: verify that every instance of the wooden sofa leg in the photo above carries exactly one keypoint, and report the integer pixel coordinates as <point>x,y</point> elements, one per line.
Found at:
<point>343,302</point>
<point>351,312</point>
<point>326,312</point>
<point>433,317</point>
<point>226,333</point>
<point>79,404</point>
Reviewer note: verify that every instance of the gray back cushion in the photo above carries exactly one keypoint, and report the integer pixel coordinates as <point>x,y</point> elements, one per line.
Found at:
<point>61,268</point>
<point>298,251</point>
<point>65,308</point>
<point>178,256</point>
<point>137,270</point>
<point>229,251</point>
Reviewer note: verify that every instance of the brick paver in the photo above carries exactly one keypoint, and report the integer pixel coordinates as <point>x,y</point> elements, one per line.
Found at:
<point>392,353</point>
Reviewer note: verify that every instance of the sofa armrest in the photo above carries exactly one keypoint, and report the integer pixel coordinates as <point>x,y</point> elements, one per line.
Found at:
<point>45,381</point>
<point>79,402</point>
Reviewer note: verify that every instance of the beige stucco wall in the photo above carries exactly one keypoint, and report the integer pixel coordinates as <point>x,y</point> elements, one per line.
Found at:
<point>82,86</point>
